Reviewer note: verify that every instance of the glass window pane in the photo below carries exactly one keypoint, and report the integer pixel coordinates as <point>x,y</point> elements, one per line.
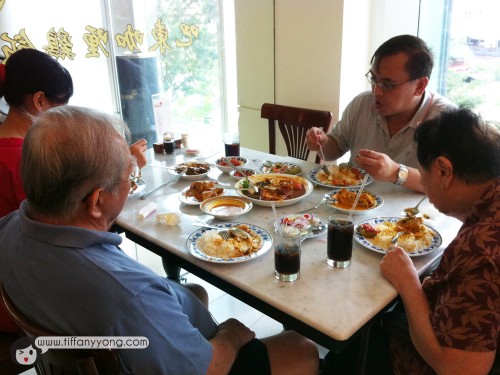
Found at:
<point>465,39</point>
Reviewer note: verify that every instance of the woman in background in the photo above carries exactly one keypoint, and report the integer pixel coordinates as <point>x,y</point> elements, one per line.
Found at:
<point>32,83</point>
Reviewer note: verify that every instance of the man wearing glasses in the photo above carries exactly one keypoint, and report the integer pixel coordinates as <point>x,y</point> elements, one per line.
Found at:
<point>377,127</point>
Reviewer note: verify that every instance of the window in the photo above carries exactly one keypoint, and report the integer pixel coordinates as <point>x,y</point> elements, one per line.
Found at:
<point>157,62</point>
<point>465,39</point>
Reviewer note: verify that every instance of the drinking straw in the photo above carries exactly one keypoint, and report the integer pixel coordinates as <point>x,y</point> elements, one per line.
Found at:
<point>365,179</point>
<point>280,230</point>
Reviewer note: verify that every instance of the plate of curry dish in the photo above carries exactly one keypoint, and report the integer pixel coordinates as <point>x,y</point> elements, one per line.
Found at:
<point>280,189</point>
<point>342,175</point>
<point>343,200</point>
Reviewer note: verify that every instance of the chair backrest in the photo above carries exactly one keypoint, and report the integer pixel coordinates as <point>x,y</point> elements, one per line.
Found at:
<point>63,361</point>
<point>294,123</point>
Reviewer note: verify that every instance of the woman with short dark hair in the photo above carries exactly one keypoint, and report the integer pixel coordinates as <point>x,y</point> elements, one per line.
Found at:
<point>32,83</point>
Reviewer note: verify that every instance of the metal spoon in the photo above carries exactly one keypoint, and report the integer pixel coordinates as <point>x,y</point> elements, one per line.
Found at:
<point>413,211</point>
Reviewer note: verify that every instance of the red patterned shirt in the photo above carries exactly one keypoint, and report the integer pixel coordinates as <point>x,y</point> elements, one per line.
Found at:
<point>464,291</point>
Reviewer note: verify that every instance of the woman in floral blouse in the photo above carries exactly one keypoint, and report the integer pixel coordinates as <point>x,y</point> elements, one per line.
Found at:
<point>454,314</point>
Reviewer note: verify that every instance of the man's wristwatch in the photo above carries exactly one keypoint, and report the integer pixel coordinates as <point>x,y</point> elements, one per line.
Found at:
<point>402,174</point>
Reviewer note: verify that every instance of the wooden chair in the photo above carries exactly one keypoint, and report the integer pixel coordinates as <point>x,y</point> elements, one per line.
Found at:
<point>62,361</point>
<point>294,123</point>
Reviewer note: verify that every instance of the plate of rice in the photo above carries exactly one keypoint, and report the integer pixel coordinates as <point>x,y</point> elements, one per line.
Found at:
<point>376,234</point>
<point>206,244</point>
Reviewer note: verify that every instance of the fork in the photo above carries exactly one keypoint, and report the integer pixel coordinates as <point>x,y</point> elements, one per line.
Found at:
<point>324,167</point>
<point>325,199</point>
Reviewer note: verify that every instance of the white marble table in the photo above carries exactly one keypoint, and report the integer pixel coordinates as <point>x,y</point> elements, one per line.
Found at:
<point>325,304</point>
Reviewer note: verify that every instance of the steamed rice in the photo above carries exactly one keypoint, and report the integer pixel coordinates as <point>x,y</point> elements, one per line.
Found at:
<point>212,244</point>
<point>410,242</point>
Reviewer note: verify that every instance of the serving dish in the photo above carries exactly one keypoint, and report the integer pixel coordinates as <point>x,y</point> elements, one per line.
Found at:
<point>336,203</point>
<point>318,177</point>
<point>238,161</point>
<point>226,207</point>
<point>274,185</point>
<point>281,167</point>
<point>194,170</point>
<point>434,245</point>
<point>192,247</point>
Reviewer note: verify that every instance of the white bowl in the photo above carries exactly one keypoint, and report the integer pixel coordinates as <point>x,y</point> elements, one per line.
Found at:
<point>226,168</point>
<point>286,202</point>
<point>226,207</point>
<point>235,174</point>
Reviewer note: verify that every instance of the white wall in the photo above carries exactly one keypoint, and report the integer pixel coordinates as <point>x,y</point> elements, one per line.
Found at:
<point>321,52</point>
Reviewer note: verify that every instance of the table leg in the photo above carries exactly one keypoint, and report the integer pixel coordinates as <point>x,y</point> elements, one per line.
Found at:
<point>172,270</point>
<point>363,351</point>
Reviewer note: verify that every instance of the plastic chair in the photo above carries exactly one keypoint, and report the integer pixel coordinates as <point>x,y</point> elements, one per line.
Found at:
<point>294,123</point>
<point>63,361</point>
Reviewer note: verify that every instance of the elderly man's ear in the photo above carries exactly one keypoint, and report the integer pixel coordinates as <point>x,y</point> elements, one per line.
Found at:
<point>94,203</point>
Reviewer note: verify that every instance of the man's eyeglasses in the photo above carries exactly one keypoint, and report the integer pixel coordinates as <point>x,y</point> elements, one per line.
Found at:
<point>384,85</point>
<point>134,183</point>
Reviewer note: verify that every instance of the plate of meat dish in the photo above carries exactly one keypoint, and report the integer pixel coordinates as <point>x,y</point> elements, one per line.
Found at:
<point>280,189</point>
<point>191,170</point>
<point>340,176</point>
<point>198,191</point>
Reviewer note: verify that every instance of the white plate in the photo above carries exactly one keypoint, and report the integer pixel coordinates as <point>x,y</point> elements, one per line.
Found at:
<point>287,202</point>
<point>267,242</point>
<point>190,177</point>
<point>190,200</point>
<point>436,237</point>
<point>141,185</point>
<point>227,207</point>
<point>379,201</point>
<point>312,175</point>
<point>266,169</point>
<point>316,219</point>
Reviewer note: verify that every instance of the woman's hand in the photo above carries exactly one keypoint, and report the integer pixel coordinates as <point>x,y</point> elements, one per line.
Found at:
<point>397,268</point>
<point>138,149</point>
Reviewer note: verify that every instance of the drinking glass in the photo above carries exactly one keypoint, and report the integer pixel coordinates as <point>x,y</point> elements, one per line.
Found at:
<point>232,144</point>
<point>287,255</point>
<point>340,237</point>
